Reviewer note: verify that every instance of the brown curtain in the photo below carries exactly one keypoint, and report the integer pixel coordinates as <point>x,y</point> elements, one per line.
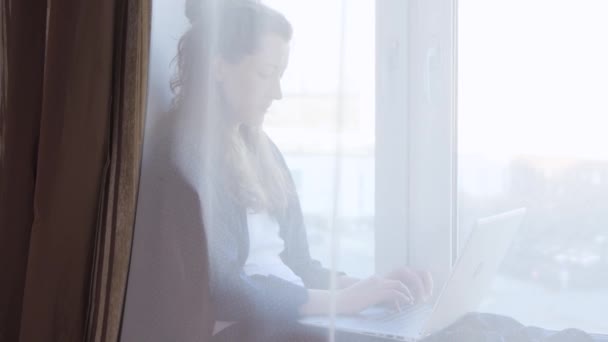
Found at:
<point>114,241</point>
<point>73,103</point>
<point>22,69</point>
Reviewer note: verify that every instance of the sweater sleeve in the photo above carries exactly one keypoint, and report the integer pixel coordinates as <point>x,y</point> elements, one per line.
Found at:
<point>293,231</point>
<point>297,254</point>
<point>237,296</point>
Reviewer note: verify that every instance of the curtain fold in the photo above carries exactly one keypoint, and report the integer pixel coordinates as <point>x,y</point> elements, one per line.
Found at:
<point>72,124</point>
<point>23,44</point>
<point>119,202</point>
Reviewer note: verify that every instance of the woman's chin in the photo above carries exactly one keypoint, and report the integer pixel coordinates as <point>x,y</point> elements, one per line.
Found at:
<point>256,119</point>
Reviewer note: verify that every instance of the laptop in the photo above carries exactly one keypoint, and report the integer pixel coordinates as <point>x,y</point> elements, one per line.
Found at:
<point>470,279</point>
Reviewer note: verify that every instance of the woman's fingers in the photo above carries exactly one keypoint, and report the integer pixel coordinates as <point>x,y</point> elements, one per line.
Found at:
<point>427,280</point>
<point>414,282</point>
<point>400,297</point>
<point>400,287</point>
<point>403,287</point>
<point>393,296</point>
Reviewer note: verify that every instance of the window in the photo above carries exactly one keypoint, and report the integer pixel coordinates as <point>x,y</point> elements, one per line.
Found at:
<point>531,132</point>
<point>325,122</point>
<point>498,109</point>
<point>369,93</point>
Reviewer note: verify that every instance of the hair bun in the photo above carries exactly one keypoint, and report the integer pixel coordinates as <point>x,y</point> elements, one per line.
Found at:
<point>196,9</point>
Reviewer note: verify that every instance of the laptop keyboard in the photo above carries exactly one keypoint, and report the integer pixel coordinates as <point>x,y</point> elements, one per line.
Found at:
<point>409,312</point>
<point>408,321</point>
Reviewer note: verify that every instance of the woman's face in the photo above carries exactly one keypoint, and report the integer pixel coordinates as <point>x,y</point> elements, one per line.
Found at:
<point>251,84</point>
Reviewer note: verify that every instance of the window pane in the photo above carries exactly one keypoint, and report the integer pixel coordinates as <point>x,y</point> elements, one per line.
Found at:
<point>532,104</point>
<point>325,122</point>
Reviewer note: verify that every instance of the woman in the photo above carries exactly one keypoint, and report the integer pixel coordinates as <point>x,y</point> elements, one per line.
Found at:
<point>230,64</point>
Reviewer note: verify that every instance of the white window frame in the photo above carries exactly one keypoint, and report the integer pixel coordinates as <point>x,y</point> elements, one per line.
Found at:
<point>416,194</point>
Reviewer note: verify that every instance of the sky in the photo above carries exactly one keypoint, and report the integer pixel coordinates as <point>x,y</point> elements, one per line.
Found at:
<point>533,78</point>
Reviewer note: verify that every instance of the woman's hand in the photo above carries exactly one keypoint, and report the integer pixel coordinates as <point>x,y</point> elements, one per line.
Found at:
<point>371,291</point>
<point>420,283</point>
<point>400,287</point>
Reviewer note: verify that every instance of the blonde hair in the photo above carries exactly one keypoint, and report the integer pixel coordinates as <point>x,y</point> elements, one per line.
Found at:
<point>258,180</point>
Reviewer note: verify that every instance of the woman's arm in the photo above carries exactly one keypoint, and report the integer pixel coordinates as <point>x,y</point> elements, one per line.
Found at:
<point>236,295</point>
<point>293,231</point>
<point>345,281</point>
<point>317,304</point>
